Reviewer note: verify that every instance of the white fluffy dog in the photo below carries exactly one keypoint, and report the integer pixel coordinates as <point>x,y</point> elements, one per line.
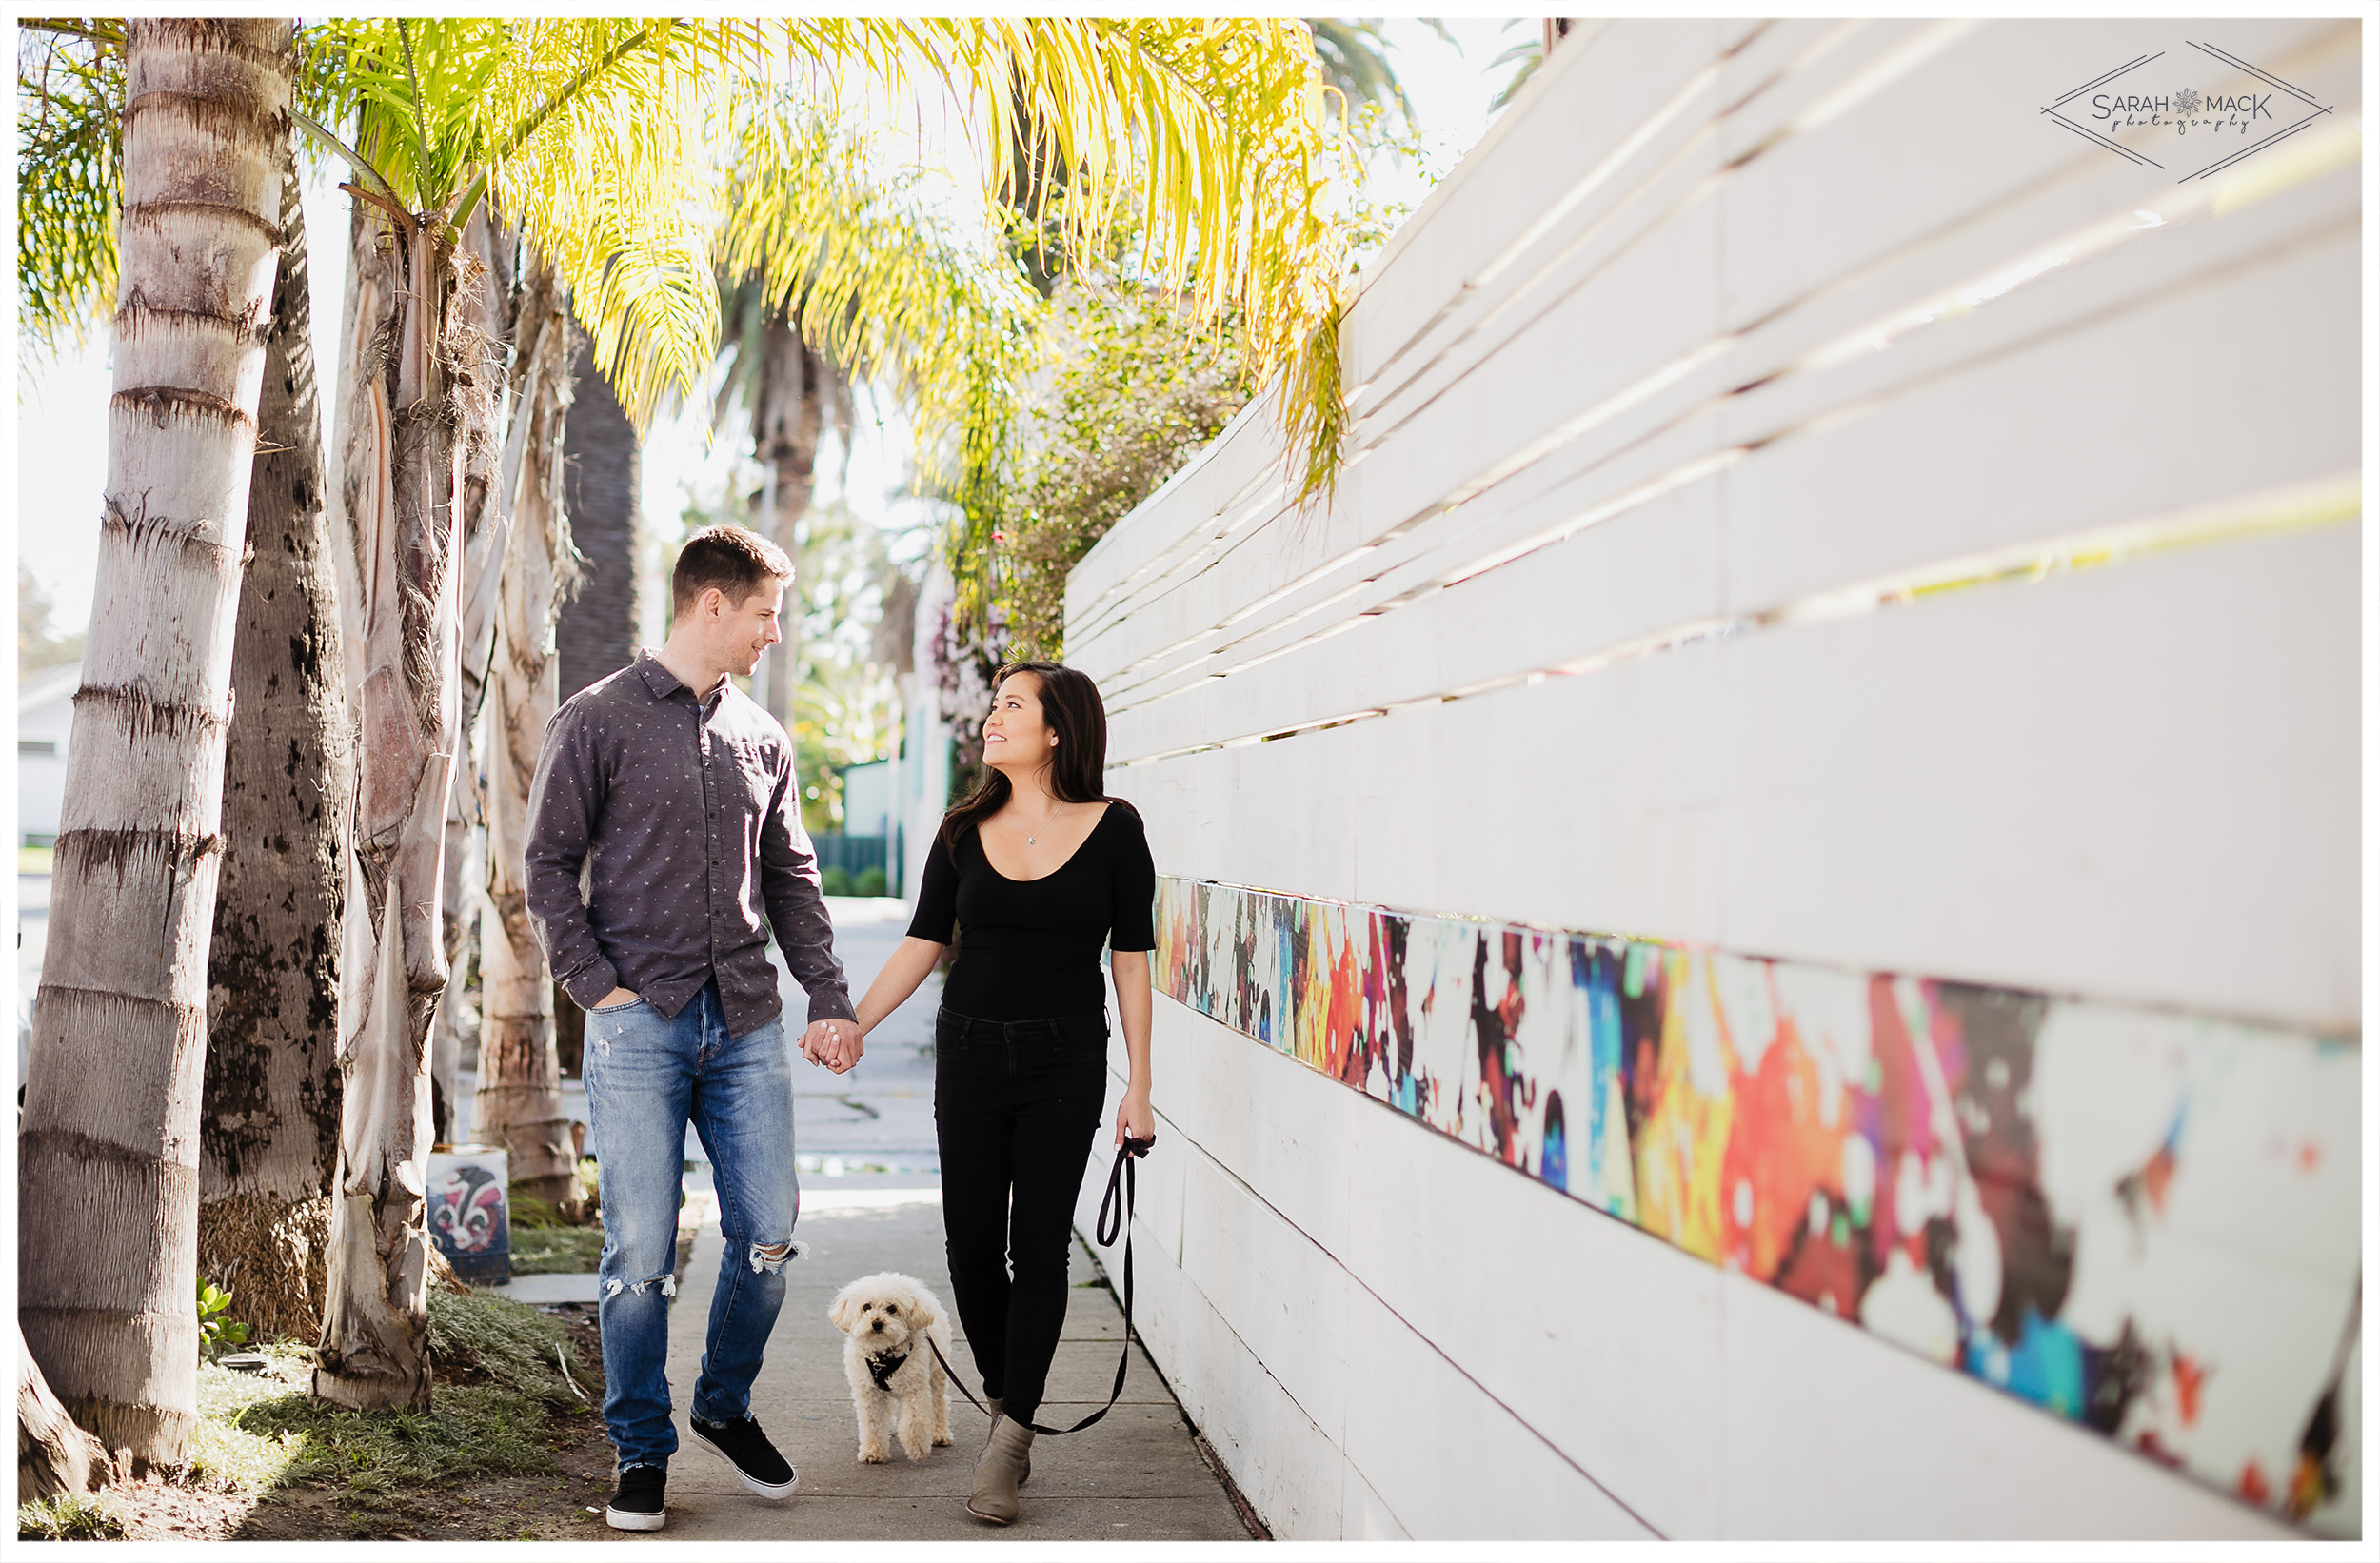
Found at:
<point>885,1320</point>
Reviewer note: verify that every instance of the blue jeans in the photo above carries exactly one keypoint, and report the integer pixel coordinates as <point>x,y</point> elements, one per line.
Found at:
<point>646,1077</point>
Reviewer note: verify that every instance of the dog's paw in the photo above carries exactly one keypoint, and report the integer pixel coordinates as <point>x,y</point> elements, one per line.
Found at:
<point>875,1456</point>
<point>942,1440</point>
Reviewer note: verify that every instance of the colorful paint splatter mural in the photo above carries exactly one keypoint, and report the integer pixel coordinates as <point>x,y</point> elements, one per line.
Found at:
<point>2142,1221</point>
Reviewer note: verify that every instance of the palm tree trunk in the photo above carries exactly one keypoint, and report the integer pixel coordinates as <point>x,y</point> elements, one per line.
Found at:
<point>109,1139</point>
<point>788,415</point>
<point>412,427</point>
<point>269,1129</point>
<point>602,466</point>
<point>455,931</point>
<point>482,312</point>
<point>519,1104</point>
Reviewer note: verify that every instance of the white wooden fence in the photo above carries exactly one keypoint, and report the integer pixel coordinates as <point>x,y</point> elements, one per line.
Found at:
<point>1808,503</point>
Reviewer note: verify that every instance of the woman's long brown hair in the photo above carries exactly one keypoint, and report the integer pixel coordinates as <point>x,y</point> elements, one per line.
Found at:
<point>1071,707</point>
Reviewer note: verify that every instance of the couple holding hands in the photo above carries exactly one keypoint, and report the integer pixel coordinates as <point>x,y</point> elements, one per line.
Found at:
<point>665,825</point>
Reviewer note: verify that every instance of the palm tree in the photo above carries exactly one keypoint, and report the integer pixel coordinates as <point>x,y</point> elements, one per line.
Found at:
<point>268,1118</point>
<point>452,112</point>
<point>1528,53</point>
<point>520,1093</point>
<point>602,471</point>
<point>54,1455</point>
<point>404,638</point>
<point>69,92</point>
<point>595,629</point>
<point>108,1140</point>
<point>792,392</point>
<point>268,1136</point>
<point>269,1114</point>
<point>486,307</point>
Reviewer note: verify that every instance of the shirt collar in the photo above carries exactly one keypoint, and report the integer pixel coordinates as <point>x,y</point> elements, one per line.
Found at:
<point>662,682</point>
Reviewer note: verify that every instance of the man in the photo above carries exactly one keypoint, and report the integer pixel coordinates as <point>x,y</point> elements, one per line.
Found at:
<point>665,821</point>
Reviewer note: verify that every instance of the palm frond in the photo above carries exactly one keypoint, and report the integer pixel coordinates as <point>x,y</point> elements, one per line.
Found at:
<point>877,279</point>
<point>1528,53</point>
<point>69,148</point>
<point>1353,56</point>
<point>1215,127</point>
<point>596,137</point>
<point>593,136</point>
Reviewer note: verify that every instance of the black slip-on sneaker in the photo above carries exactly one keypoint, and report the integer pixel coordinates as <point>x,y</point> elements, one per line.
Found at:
<point>635,1505</point>
<point>741,1445</point>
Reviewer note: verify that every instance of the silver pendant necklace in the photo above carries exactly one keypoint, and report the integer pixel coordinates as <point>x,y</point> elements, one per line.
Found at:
<point>1043,825</point>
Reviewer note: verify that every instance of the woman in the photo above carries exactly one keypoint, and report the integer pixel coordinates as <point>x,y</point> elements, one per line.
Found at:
<point>1038,868</point>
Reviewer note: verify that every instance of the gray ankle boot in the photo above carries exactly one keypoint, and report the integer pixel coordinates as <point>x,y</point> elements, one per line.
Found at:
<point>1024,1471</point>
<point>999,1470</point>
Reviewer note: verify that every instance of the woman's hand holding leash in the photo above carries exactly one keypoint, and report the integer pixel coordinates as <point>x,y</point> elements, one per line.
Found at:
<point>1135,1118</point>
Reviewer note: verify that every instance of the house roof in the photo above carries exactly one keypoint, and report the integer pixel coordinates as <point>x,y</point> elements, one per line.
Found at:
<point>52,687</point>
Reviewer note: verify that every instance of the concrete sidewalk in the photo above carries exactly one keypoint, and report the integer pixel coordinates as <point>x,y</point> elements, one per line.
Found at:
<point>872,1201</point>
<point>1135,1476</point>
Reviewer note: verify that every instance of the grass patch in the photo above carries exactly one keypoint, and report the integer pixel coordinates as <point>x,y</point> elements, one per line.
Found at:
<point>257,1432</point>
<point>471,1430</point>
<point>511,1343</point>
<point>500,1409</point>
<point>556,1251</point>
<point>224,1450</point>
<point>76,1516</point>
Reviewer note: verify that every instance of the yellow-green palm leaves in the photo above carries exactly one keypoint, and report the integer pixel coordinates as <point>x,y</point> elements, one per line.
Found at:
<point>69,94</point>
<point>1216,127</point>
<point>606,141</point>
<point>879,279</point>
<point>593,136</point>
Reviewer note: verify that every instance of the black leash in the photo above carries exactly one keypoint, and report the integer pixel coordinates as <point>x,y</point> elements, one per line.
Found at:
<point>1113,1221</point>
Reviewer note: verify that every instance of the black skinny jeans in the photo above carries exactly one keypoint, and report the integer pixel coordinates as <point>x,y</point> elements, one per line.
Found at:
<point>1016,1105</point>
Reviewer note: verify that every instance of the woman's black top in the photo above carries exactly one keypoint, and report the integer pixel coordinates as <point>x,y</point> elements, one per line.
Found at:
<point>1029,949</point>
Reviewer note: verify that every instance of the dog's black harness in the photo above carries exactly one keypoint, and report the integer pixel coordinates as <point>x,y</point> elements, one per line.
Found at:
<point>883,1366</point>
<point>1115,1219</point>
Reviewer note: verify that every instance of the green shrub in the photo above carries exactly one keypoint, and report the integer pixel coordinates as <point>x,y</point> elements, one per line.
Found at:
<point>835,881</point>
<point>1135,385</point>
<point>870,883</point>
<point>216,1333</point>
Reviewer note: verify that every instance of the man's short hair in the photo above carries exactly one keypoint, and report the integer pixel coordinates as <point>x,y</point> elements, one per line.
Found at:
<point>735,561</point>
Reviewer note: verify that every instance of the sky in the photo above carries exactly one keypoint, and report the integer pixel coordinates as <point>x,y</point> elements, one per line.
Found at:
<point>61,402</point>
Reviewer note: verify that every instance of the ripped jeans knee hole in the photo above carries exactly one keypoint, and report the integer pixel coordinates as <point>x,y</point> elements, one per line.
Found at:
<point>772,1256</point>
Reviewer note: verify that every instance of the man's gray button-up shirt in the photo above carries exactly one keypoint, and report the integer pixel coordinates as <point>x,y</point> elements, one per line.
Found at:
<point>686,818</point>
